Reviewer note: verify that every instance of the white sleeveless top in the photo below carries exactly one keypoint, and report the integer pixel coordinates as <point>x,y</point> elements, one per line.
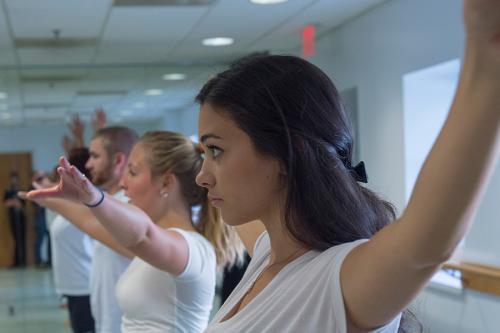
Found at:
<point>155,301</point>
<point>305,296</point>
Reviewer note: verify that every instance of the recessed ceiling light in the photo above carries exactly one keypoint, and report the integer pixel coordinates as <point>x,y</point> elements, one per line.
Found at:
<point>153,92</point>
<point>267,2</point>
<point>139,105</point>
<point>174,76</point>
<point>218,41</point>
<point>3,95</point>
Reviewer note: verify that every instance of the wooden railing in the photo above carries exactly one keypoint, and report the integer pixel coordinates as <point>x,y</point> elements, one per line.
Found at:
<point>478,277</point>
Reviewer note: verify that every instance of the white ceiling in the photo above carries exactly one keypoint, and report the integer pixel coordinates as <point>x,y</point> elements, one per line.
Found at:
<point>107,55</point>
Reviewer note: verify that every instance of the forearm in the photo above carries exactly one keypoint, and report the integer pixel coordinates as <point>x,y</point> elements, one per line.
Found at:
<point>133,229</point>
<point>82,218</point>
<point>127,223</point>
<point>75,213</point>
<point>454,176</point>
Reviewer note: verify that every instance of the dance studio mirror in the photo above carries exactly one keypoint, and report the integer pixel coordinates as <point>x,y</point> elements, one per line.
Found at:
<point>66,63</point>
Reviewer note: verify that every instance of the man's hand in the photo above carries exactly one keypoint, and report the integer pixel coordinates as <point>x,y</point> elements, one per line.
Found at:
<point>77,129</point>
<point>99,119</point>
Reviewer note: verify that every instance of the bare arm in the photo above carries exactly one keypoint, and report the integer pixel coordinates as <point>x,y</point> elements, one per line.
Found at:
<point>130,226</point>
<point>380,278</point>
<point>164,249</point>
<point>81,217</point>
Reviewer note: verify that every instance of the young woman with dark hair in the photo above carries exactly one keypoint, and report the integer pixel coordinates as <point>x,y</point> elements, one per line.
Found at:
<point>278,148</point>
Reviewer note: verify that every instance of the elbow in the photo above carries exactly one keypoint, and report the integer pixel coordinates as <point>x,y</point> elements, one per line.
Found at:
<point>137,239</point>
<point>442,258</point>
<point>433,260</point>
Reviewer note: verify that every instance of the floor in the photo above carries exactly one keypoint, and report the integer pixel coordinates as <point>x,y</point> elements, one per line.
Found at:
<point>29,304</point>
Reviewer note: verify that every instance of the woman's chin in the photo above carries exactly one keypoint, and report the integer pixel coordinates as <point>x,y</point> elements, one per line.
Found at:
<point>234,221</point>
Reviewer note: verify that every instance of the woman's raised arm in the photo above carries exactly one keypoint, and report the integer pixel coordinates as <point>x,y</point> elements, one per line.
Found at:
<point>380,277</point>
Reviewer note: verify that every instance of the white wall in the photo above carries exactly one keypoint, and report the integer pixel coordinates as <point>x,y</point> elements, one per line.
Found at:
<point>372,53</point>
<point>427,96</point>
<point>44,141</point>
<point>182,121</point>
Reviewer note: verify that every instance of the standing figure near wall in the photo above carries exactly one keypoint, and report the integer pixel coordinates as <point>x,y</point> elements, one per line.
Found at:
<point>41,230</point>
<point>17,220</point>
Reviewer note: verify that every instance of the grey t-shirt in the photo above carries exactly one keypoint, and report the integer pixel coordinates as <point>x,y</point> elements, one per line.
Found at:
<point>305,296</point>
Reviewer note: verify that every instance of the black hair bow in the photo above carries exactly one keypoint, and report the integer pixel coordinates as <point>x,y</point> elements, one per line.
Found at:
<point>359,172</point>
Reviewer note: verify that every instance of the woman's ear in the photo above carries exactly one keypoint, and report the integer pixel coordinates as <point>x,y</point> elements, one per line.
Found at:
<point>169,182</point>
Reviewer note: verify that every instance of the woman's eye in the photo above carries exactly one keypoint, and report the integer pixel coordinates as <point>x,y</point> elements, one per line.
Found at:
<point>214,151</point>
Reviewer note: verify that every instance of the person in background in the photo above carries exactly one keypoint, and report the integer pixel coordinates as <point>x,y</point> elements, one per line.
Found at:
<point>108,156</point>
<point>73,250</point>
<point>231,276</point>
<point>17,220</point>
<point>41,229</point>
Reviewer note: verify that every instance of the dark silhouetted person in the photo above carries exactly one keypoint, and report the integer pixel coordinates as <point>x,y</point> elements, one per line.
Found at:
<point>41,230</point>
<point>16,219</point>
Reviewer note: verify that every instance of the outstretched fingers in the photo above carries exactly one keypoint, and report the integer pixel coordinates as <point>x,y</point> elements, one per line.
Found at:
<point>63,163</point>
<point>42,193</point>
<point>81,180</point>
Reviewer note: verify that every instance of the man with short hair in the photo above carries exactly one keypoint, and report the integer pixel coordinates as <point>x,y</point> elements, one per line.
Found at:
<point>109,151</point>
<point>108,156</point>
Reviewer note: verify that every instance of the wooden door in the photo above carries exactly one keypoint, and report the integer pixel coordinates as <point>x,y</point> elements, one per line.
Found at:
<point>21,163</point>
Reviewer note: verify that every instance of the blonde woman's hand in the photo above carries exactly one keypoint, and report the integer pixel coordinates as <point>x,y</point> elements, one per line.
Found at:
<point>73,185</point>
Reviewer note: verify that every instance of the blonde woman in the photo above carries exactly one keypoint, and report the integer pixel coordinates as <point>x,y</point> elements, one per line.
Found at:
<point>170,285</point>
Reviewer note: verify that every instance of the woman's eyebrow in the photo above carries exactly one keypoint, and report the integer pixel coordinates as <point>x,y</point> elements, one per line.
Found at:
<point>205,137</point>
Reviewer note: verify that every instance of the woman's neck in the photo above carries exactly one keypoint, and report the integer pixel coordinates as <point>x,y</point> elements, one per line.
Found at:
<point>283,244</point>
<point>176,217</point>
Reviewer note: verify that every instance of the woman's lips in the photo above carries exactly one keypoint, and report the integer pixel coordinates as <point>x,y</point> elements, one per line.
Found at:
<point>215,201</point>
